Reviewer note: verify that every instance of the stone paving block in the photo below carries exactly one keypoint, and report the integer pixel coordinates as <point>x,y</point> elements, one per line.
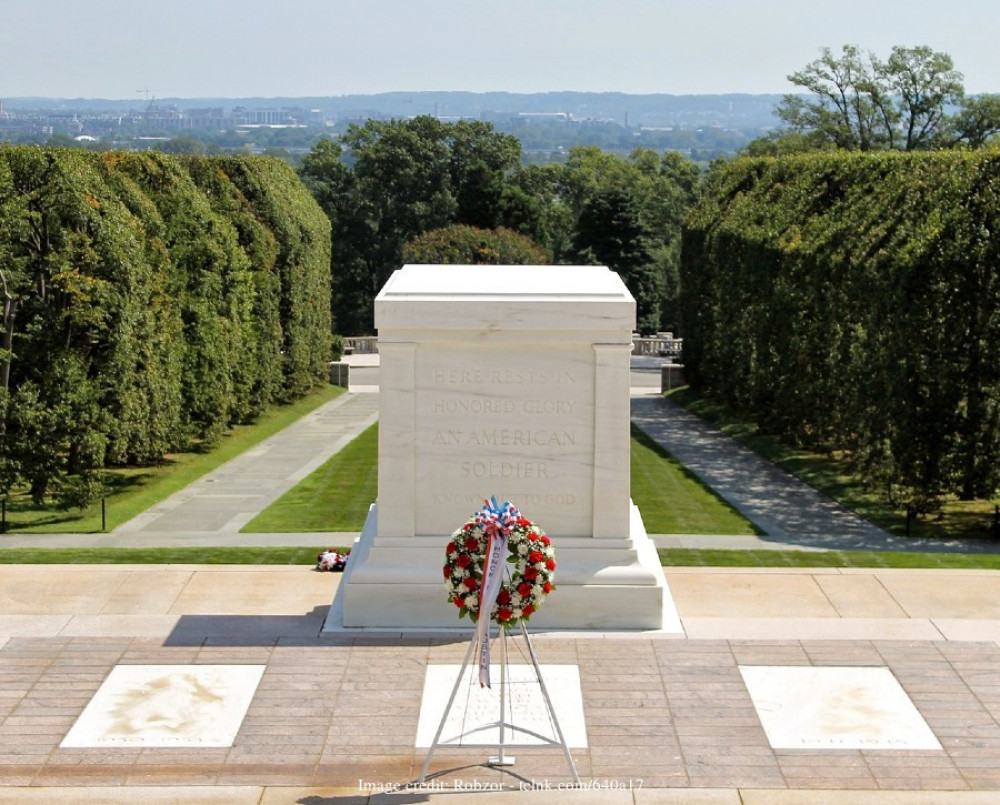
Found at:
<point>14,626</point>
<point>939,596</point>
<point>347,795</point>
<point>200,795</point>
<point>660,796</point>
<point>860,596</point>
<point>804,628</point>
<point>839,797</point>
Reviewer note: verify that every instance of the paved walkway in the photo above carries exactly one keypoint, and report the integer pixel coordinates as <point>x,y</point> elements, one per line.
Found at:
<point>225,500</point>
<point>792,514</point>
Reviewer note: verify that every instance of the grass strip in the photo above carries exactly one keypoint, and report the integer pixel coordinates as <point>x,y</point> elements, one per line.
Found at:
<point>132,490</point>
<point>669,557</point>
<point>696,557</point>
<point>162,556</point>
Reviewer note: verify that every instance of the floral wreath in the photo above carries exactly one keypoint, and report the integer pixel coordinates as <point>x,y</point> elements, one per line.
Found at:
<point>527,574</point>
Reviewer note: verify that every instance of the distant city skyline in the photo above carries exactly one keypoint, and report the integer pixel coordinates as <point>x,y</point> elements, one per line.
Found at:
<point>121,49</point>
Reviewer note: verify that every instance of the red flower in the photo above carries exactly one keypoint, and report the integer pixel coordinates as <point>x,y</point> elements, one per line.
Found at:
<point>447,571</point>
<point>527,609</point>
<point>535,557</point>
<point>452,547</point>
<point>503,597</point>
<point>530,573</point>
<point>459,602</point>
<point>464,560</point>
<point>546,541</point>
<point>547,587</point>
<point>524,589</point>
<point>532,536</point>
<point>471,544</point>
<point>551,564</point>
<point>503,614</point>
<point>471,583</point>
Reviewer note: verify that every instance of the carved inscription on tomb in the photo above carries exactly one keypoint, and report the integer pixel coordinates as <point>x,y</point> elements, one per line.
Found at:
<point>516,425</point>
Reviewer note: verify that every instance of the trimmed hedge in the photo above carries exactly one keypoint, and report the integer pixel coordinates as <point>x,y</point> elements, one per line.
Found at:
<point>157,301</point>
<point>852,301</point>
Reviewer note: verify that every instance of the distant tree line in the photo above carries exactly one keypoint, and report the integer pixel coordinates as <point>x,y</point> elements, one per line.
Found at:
<point>851,301</point>
<point>387,185</point>
<point>149,303</point>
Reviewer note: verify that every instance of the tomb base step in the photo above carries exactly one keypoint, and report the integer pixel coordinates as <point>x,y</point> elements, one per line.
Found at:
<point>601,584</point>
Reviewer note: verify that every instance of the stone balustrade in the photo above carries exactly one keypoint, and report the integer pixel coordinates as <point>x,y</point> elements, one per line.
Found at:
<point>662,344</point>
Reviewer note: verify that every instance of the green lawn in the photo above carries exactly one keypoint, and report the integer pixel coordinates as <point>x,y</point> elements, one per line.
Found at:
<point>688,557</point>
<point>672,500</point>
<point>305,555</point>
<point>336,496</point>
<point>133,490</point>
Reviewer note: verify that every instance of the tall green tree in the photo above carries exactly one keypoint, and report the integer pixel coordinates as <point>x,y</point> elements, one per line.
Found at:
<point>643,200</point>
<point>610,232</point>
<point>148,300</point>
<point>857,101</point>
<point>386,182</point>
<point>978,120</point>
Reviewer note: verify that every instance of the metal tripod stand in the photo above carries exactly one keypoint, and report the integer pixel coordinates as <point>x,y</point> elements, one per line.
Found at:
<point>501,758</point>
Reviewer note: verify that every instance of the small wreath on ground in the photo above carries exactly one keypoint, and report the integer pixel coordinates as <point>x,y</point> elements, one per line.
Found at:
<point>527,576</point>
<point>331,560</point>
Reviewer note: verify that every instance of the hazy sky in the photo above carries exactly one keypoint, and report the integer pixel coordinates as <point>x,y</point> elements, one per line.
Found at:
<point>234,48</point>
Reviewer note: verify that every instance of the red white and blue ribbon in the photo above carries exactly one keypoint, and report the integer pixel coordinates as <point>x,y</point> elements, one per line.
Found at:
<point>496,521</point>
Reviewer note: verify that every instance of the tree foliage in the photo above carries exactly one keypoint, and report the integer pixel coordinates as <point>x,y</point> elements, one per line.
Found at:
<point>852,302</point>
<point>147,306</point>
<point>857,101</point>
<point>627,214</point>
<point>460,244</point>
<point>386,184</point>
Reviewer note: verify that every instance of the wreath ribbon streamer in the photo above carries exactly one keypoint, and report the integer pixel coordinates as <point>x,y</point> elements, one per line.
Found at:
<point>497,521</point>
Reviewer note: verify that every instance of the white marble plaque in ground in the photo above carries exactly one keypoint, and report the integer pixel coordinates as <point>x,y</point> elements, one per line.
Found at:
<point>167,706</point>
<point>472,719</point>
<point>804,707</point>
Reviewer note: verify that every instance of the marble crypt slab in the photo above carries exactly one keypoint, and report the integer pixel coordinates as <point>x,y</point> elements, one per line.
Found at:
<point>473,716</point>
<point>807,707</point>
<point>167,706</point>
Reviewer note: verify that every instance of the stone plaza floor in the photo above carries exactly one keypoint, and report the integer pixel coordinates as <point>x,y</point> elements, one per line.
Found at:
<point>804,686</point>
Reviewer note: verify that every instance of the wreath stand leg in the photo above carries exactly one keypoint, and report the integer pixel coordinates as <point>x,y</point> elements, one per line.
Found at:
<point>501,759</point>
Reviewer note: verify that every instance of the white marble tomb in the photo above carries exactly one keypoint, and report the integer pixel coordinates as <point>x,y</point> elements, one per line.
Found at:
<point>510,381</point>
